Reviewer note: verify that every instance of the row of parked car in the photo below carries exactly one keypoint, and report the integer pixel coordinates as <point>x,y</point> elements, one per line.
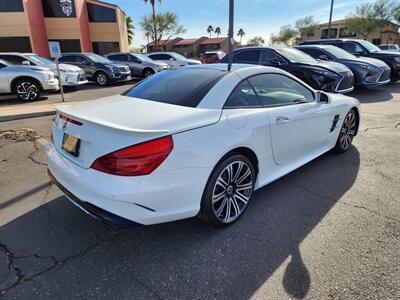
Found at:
<point>335,65</point>
<point>27,75</point>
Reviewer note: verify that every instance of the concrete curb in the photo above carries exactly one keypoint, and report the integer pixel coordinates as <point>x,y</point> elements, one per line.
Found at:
<point>27,115</point>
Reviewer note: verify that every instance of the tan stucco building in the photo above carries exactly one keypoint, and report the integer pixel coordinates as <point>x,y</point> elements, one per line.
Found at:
<point>389,35</point>
<point>79,26</point>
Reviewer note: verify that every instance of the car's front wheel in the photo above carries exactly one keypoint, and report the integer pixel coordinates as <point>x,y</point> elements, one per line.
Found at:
<point>147,72</point>
<point>347,132</point>
<point>228,191</point>
<point>27,90</point>
<point>102,78</point>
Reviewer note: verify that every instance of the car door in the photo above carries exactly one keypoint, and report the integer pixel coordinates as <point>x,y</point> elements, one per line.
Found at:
<point>299,125</point>
<point>85,64</point>
<point>135,64</point>
<point>4,79</point>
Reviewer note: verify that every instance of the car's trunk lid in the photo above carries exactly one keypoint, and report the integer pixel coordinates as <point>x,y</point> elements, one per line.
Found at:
<point>116,122</point>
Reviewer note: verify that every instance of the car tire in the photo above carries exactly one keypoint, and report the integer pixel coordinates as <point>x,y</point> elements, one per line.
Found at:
<point>147,72</point>
<point>347,132</point>
<point>102,78</point>
<point>27,90</point>
<point>228,191</point>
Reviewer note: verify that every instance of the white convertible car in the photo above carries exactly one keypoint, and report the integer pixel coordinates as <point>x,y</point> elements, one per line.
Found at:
<point>193,141</point>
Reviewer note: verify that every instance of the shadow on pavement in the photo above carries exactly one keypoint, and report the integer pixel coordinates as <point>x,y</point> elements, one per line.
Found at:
<point>184,259</point>
<point>378,94</point>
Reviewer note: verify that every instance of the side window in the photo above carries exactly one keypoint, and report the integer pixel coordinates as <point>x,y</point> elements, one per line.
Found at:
<point>80,59</point>
<point>353,48</point>
<point>67,59</point>
<point>277,89</point>
<point>316,53</point>
<point>269,57</point>
<point>166,57</point>
<point>119,57</point>
<point>243,96</point>
<point>1,66</point>
<point>155,56</point>
<point>14,59</point>
<point>248,56</point>
<point>133,58</point>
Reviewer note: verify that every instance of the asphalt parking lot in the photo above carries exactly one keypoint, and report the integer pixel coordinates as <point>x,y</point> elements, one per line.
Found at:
<point>329,230</point>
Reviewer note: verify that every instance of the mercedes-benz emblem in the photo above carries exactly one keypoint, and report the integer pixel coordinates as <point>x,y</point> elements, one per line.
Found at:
<point>64,127</point>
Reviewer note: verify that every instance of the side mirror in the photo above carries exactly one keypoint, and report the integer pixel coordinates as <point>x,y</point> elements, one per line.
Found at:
<point>322,97</point>
<point>323,57</point>
<point>275,62</point>
<point>172,58</point>
<point>26,63</point>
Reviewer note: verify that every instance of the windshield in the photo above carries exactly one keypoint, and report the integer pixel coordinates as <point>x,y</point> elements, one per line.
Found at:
<point>369,46</point>
<point>295,55</point>
<point>183,86</point>
<point>340,53</point>
<point>98,58</point>
<point>39,60</point>
<point>178,56</point>
<point>143,58</point>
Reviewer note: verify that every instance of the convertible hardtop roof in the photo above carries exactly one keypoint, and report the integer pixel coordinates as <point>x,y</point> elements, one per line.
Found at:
<point>240,69</point>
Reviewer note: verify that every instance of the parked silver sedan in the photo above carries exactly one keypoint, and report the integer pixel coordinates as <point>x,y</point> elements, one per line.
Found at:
<point>139,64</point>
<point>26,82</point>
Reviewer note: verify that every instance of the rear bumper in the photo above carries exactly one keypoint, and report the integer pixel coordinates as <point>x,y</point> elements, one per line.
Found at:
<point>156,198</point>
<point>91,209</point>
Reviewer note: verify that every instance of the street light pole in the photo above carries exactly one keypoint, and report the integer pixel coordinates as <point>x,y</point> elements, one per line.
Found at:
<point>230,34</point>
<point>330,20</point>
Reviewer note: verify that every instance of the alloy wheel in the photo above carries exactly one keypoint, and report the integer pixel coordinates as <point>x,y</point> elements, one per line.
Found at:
<point>101,79</point>
<point>348,131</point>
<point>27,91</point>
<point>232,191</point>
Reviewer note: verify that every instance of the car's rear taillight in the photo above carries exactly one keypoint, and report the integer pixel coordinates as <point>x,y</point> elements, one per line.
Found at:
<point>136,160</point>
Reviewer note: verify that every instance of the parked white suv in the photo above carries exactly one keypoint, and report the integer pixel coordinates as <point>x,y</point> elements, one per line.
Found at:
<point>26,82</point>
<point>174,60</point>
<point>71,76</point>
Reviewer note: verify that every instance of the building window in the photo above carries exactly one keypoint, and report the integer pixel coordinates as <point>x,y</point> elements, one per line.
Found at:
<point>69,45</point>
<point>324,33</point>
<point>99,13</point>
<point>343,32</point>
<point>59,8</point>
<point>15,44</point>
<point>105,47</point>
<point>11,6</point>
<point>376,41</point>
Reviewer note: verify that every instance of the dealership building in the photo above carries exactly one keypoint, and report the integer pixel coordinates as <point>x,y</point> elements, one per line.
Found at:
<point>78,25</point>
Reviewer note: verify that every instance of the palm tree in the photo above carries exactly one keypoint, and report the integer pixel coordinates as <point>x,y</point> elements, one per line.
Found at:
<point>210,29</point>
<point>217,31</point>
<point>241,34</point>
<point>153,16</point>
<point>130,27</point>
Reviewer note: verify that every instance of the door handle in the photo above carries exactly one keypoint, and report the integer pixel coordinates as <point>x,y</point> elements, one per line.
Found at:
<point>282,120</point>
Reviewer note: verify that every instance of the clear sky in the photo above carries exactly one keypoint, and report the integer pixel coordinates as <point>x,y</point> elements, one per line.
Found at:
<point>256,17</point>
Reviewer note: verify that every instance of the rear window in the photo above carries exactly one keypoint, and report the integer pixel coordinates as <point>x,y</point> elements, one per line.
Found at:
<point>184,86</point>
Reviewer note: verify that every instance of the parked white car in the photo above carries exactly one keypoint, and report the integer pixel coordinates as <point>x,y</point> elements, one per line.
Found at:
<point>390,47</point>
<point>27,83</point>
<point>174,60</point>
<point>194,141</point>
<point>70,75</point>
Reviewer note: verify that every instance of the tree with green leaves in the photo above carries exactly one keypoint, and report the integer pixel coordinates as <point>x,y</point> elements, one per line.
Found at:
<point>306,26</point>
<point>370,17</point>
<point>396,13</point>
<point>256,41</point>
<point>153,17</point>
<point>217,31</point>
<point>241,34</point>
<point>286,36</point>
<point>130,27</point>
<point>167,26</point>
<point>210,29</point>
